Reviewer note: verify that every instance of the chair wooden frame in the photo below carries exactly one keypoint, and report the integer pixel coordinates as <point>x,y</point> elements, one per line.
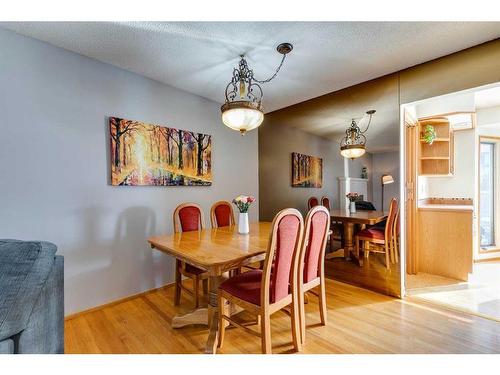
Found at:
<point>319,281</point>
<point>395,237</point>
<point>384,246</point>
<point>323,198</point>
<point>309,202</point>
<point>213,217</point>
<point>180,266</point>
<point>266,308</point>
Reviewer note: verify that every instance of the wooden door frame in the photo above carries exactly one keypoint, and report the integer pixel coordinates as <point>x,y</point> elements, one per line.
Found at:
<point>408,191</point>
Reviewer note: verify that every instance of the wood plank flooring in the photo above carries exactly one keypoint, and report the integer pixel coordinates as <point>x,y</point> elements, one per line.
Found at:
<point>359,321</point>
<point>373,275</point>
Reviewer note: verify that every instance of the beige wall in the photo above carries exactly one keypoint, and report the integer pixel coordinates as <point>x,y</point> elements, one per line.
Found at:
<point>276,144</point>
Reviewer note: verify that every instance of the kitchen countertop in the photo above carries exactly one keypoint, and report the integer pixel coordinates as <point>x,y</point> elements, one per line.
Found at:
<point>446,207</point>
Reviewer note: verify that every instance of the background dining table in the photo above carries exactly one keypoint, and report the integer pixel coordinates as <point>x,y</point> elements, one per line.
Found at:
<point>217,251</point>
<point>349,220</point>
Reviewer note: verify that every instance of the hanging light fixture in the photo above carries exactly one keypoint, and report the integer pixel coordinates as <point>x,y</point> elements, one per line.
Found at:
<point>353,145</point>
<point>242,110</point>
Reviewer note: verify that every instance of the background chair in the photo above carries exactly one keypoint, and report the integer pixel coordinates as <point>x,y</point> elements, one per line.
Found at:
<point>221,214</point>
<point>312,202</point>
<point>336,227</point>
<point>189,217</point>
<point>312,262</point>
<point>263,292</point>
<point>378,240</point>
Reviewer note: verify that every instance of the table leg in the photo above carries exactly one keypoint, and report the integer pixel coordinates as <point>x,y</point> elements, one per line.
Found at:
<point>213,314</point>
<point>348,239</point>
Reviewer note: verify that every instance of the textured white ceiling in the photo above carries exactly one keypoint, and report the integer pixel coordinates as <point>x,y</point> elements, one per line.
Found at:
<point>199,57</point>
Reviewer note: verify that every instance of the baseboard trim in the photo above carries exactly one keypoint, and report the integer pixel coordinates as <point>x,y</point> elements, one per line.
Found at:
<point>116,302</point>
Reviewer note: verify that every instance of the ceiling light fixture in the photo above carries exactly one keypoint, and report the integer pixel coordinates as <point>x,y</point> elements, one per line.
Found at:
<point>242,110</point>
<point>353,145</point>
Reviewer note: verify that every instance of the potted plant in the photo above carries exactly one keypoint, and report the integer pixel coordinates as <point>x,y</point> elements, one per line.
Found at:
<point>243,203</point>
<point>429,134</point>
<point>352,201</point>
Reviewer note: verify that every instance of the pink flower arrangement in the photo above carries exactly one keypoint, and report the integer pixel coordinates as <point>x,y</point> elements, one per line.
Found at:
<point>243,202</point>
<point>352,196</point>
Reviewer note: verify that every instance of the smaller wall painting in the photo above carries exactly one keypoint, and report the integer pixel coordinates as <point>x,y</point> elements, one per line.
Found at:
<point>307,171</point>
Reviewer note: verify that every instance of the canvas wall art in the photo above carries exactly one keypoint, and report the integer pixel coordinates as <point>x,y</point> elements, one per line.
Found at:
<point>307,171</point>
<point>146,154</point>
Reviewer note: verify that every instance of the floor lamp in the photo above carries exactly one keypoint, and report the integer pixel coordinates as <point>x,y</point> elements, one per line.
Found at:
<point>386,180</point>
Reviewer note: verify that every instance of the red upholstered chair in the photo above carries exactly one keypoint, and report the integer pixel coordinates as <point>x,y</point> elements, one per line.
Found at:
<point>263,292</point>
<point>336,227</point>
<point>312,261</point>
<point>221,214</point>
<point>188,217</point>
<point>312,202</point>
<point>325,202</point>
<point>379,240</point>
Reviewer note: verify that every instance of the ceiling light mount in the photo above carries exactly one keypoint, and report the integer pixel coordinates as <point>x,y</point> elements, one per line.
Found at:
<point>353,145</point>
<point>242,109</point>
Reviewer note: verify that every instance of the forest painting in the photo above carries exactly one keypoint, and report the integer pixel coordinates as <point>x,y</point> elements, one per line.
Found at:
<point>307,171</point>
<point>145,154</point>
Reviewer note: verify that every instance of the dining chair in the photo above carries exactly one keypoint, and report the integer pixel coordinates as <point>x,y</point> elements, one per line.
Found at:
<point>221,214</point>
<point>312,262</point>
<point>325,202</point>
<point>264,292</point>
<point>312,202</point>
<point>189,217</point>
<point>379,240</point>
<point>395,236</point>
<point>336,227</point>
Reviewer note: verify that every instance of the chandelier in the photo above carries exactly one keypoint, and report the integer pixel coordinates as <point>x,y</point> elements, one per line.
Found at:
<point>242,110</point>
<point>353,145</point>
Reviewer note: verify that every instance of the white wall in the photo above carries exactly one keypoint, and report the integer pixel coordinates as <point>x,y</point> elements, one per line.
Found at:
<point>354,170</point>
<point>54,167</point>
<point>461,184</point>
<point>385,163</point>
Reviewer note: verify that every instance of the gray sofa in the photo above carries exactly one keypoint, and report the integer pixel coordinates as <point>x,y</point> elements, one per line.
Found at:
<point>31,297</point>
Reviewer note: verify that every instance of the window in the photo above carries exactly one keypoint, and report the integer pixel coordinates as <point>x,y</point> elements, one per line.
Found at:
<point>487,193</point>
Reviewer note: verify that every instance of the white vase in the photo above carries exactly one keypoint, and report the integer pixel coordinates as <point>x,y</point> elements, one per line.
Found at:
<point>352,207</point>
<point>243,227</point>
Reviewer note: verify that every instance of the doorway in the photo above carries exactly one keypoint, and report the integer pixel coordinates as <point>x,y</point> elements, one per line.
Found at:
<point>452,232</point>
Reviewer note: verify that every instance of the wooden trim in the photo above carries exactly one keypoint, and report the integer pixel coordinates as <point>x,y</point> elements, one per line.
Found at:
<point>479,250</point>
<point>410,193</point>
<point>117,301</point>
<point>495,249</point>
<point>486,260</point>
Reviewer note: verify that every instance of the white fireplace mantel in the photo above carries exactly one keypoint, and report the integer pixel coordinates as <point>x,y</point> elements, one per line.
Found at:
<point>352,185</point>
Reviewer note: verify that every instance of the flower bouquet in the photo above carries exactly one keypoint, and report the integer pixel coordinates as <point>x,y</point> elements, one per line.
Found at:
<point>243,203</point>
<point>352,199</point>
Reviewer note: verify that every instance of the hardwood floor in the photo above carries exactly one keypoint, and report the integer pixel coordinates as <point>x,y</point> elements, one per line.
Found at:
<point>359,321</point>
<point>479,295</point>
<point>373,275</point>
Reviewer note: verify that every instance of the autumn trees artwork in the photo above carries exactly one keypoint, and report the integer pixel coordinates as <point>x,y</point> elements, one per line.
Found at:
<point>307,171</point>
<point>145,154</point>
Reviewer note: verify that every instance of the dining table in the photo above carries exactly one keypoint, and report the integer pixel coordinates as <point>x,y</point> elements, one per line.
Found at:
<point>349,221</point>
<point>217,251</point>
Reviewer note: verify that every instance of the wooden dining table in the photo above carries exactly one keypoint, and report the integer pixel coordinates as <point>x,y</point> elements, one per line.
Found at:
<point>217,251</point>
<point>349,221</point>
